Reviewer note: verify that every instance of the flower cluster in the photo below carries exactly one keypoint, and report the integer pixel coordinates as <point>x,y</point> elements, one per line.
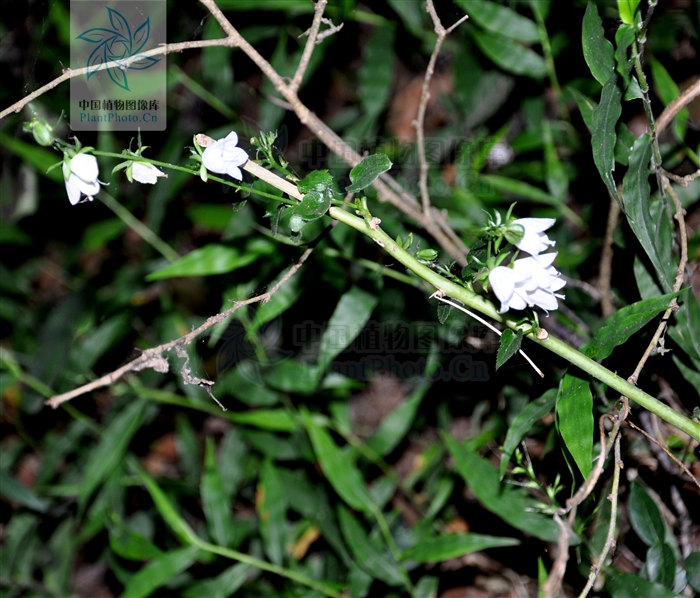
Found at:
<point>530,281</point>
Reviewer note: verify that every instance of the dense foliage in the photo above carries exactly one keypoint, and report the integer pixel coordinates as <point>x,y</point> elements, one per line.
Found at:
<point>375,441</point>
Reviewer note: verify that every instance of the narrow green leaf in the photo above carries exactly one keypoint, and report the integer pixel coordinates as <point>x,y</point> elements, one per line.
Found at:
<point>449,546</point>
<point>645,516</point>
<point>111,449</point>
<point>501,20</point>
<point>272,509</point>
<point>12,489</point>
<point>635,195</point>
<point>366,171</point>
<point>510,55</point>
<point>349,317</point>
<point>627,9</point>
<point>686,331</point>
<point>509,345</point>
<point>661,564</point>
<point>223,585</point>
<point>575,420</point>
<point>379,565</point>
<point>286,296</point>
<point>443,312</point>
<point>555,175</point>
<point>130,545</point>
<point>213,259</point>
<point>397,424</point>
<point>510,503</point>
<point>427,587</point>
<point>179,526</point>
<point>586,106</point>
<point>160,571</point>
<point>523,422</point>
<point>626,585</point>
<point>623,324</point>
<point>215,502</point>
<point>667,90</point>
<point>603,136</point>
<point>278,420</point>
<point>338,469</point>
<point>598,51</point>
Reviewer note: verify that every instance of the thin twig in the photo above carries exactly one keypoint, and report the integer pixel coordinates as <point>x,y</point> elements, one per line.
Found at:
<point>676,106</point>
<point>683,181</point>
<point>419,123</point>
<point>606,256</point>
<point>669,453</point>
<point>310,45</point>
<point>439,297</point>
<point>153,358</point>
<point>610,539</point>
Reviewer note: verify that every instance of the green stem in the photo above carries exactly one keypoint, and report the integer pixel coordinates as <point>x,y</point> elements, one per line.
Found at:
<point>553,344</point>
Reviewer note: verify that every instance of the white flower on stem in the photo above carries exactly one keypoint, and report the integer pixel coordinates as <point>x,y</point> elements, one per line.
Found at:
<point>532,281</point>
<point>80,174</point>
<point>533,241</point>
<point>146,173</point>
<point>224,157</point>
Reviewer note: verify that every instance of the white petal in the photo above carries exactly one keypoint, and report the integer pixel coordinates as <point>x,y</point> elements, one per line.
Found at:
<point>85,167</point>
<point>213,159</point>
<point>234,172</point>
<point>535,224</point>
<point>145,173</point>
<point>72,189</point>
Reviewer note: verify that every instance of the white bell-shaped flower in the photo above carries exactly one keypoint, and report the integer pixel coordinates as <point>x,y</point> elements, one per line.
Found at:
<point>532,281</point>
<point>145,173</point>
<point>80,174</point>
<point>534,241</point>
<point>224,157</point>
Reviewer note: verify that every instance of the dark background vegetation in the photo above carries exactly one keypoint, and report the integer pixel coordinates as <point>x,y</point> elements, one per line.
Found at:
<point>76,303</point>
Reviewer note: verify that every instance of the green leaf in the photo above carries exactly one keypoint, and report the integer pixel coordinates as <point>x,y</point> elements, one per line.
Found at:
<point>692,567</point>
<point>272,509</point>
<point>686,331</point>
<point>603,137</point>
<point>349,317</point>
<point>167,511</point>
<point>277,420</point>
<point>286,296</point>
<point>510,503</point>
<point>501,20</point>
<point>318,180</point>
<point>215,501</point>
<point>661,564</point>
<point>225,584</point>
<point>312,207</point>
<point>367,170</point>
<point>130,545</point>
<point>510,55</point>
<point>626,585</point>
<point>449,546</point>
<point>523,422</point>
<point>623,324</point>
<point>575,420</point>
<point>379,565</point>
<point>113,444</point>
<point>160,572</point>
<point>635,195</point>
<point>215,217</point>
<point>443,312</point>
<point>667,90</point>
<point>397,424</point>
<point>645,516</point>
<point>509,345</point>
<point>427,587</point>
<point>12,489</point>
<point>338,469</point>
<point>37,157</point>
<point>627,9</point>
<point>100,233</point>
<point>214,259</point>
<point>598,51</point>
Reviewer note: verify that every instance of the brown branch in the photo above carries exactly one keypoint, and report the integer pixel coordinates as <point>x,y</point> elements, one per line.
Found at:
<point>676,106</point>
<point>310,45</point>
<point>683,181</point>
<point>70,73</point>
<point>419,123</point>
<point>154,359</point>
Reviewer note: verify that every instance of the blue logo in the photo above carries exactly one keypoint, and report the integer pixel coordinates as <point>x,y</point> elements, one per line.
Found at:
<point>117,45</point>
